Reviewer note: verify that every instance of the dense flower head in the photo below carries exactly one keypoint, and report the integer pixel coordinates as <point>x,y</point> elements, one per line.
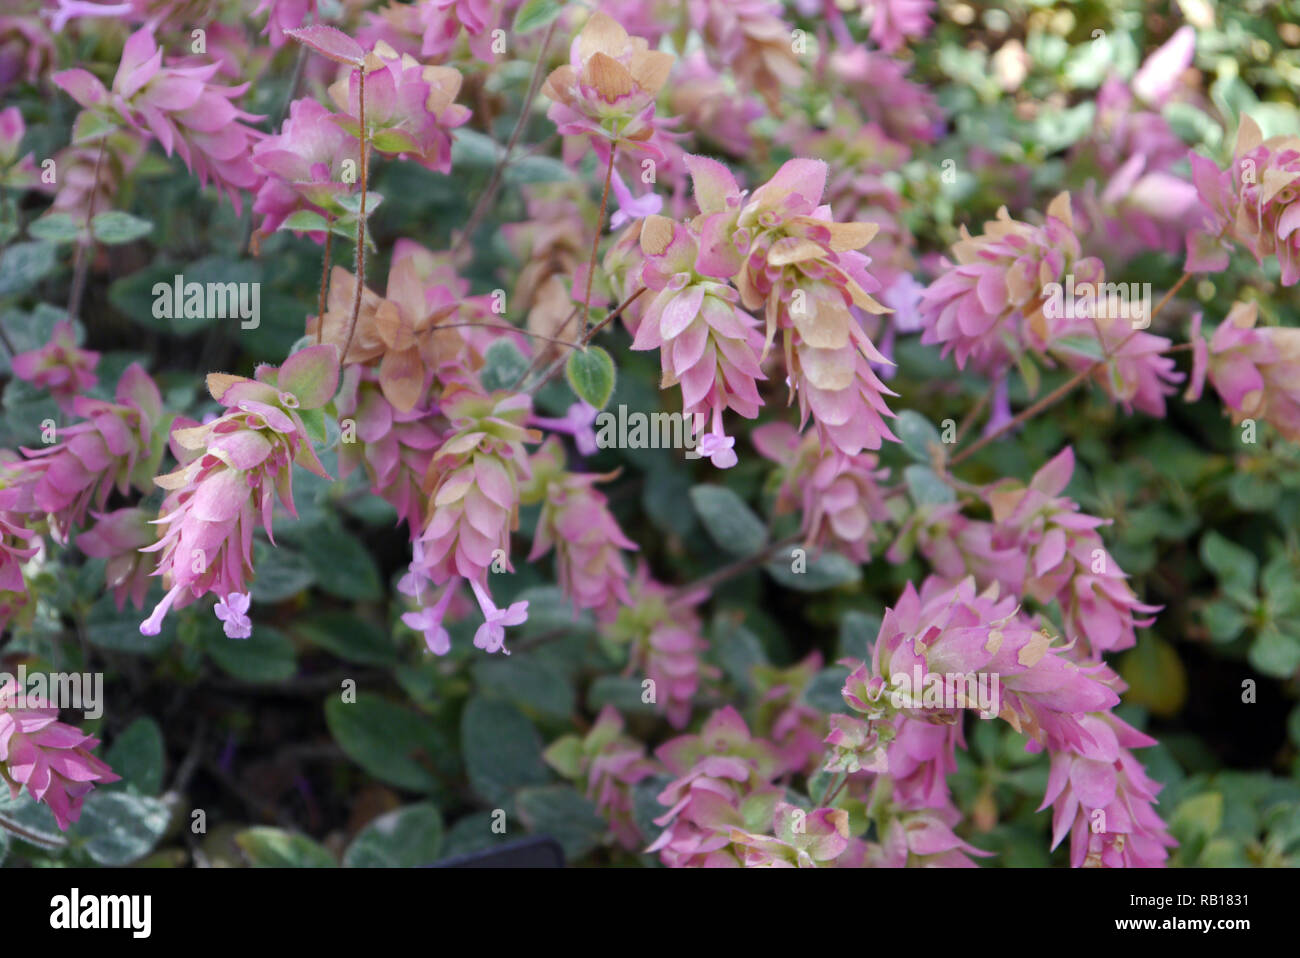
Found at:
<point>800,839</point>
<point>663,636</point>
<point>18,544</point>
<point>782,717</point>
<point>894,22</point>
<point>304,164</point>
<point>51,759</point>
<point>1103,799</point>
<point>117,538</point>
<point>1254,369</point>
<point>236,466</point>
<point>394,447</point>
<point>576,522</point>
<point>785,255</point>
<point>707,343</point>
<point>839,497</point>
<point>61,366</point>
<point>410,106</point>
<point>180,107</point>
<point>607,763</point>
<point>1065,559</point>
<point>988,306</point>
<point>116,446</point>
<point>608,88</point>
<point>752,38</point>
<point>1253,202</point>
<point>723,785</point>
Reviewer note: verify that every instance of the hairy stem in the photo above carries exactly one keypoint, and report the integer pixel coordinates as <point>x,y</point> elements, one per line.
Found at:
<point>81,265</point>
<point>324,282</point>
<point>361,218</point>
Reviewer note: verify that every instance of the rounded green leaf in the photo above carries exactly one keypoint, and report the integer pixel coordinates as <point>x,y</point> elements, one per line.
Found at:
<point>408,837</point>
<point>276,848</point>
<point>730,523</point>
<point>113,227</point>
<point>591,375</point>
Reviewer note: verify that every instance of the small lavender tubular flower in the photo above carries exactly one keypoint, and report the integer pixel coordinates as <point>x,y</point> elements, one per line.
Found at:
<point>240,463</point>
<point>473,488</point>
<point>575,520</point>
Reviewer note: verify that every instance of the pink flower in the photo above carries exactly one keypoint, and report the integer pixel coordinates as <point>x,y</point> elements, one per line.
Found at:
<point>178,106</point>
<point>237,465</point>
<point>839,496</point>
<point>575,520</point>
<point>16,547</point>
<point>491,635</point>
<point>305,162</point>
<point>607,90</point>
<point>722,787</point>
<point>895,21</point>
<point>282,15</point>
<point>410,107</point>
<point>428,622</point>
<point>801,840</point>
<point>1104,800</point>
<point>232,612</point>
<point>394,447</point>
<point>50,758</point>
<point>1254,202</point>
<point>1256,371</point>
<point>607,764</point>
<point>117,537</point>
<point>113,448</point>
<point>60,366</point>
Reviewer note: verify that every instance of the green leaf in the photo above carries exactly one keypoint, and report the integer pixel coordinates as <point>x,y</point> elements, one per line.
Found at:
<point>281,573</point>
<point>926,487</point>
<point>1252,492</point>
<point>622,693</point>
<point>826,691</point>
<point>385,739</point>
<point>265,656</point>
<point>536,13</point>
<point>1223,619</point>
<point>502,750</point>
<point>350,638</point>
<point>55,228</point>
<point>305,221</point>
<point>266,847</point>
<point>23,265</point>
<point>117,828</point>
<point>565,756</point>
<point>503,364</point>
<point>1275,653</point>
<point>827,570</point>
<point>407,837</point>
<point>1233,566</point>
<point>35,820</point>
<point>531,684</point>
<point>351,202</point>
<point>730,523</point>
<point>917,434</point>
<point>591,375</point>
<point>561,813</point>
<point>311,374</point>
<point>341,564</point>
<point>738,650</point>
<point>113,227</point>
<point>1198,817</point>
<point>137,755</point>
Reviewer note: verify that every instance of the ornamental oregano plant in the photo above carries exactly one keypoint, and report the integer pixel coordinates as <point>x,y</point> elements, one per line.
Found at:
<point>712,432</point>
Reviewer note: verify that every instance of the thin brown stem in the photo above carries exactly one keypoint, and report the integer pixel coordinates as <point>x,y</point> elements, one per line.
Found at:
<point>555,366</point>
<point>324,282</point>
<point>731,570</point>
<point>361,217</point>
<point>81,265</point>
<point>595,243</point>
<point>494,181</point>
